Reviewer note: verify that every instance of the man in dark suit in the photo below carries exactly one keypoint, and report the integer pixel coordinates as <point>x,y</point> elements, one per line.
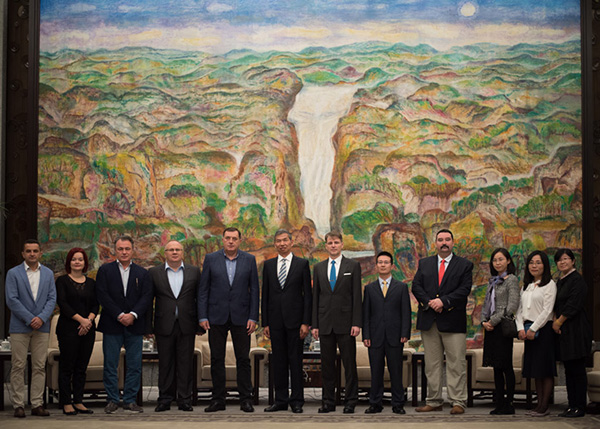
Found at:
<point>286,312</point>
<point>125,293</point>
<point>175,288</point>
<point>228,301</point>
<point>386,327</point>
<point>441,286</point>
<point>336,320</point>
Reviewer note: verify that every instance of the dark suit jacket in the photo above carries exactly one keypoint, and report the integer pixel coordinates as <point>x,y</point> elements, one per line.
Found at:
<point>217,300</point>
<point>454,290</point>
<point>109,291</point>
<point>291,306</point>
<point>165,302</point>
<point>338,310</point>
<point>386,319</point>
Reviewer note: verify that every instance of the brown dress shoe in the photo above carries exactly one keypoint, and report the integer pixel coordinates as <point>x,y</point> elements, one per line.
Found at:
<point>39,411</point>
<point>19,412</point>
<point>457,409</point>
<point>428,408</point>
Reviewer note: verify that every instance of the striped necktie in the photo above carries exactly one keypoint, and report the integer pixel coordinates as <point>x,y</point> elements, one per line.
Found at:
<point>282,273</point>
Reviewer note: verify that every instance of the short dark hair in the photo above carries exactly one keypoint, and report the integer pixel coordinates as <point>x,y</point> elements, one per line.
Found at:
<point>546,275</point>
<point>232,229</point>
<point>384,253</point>
<point>510,269</point>
<point>334,234</point>
<point>70,258</point>
<point>281,232</point>
<point>31,241</point>
<point>561,252</point>
<point>444,230</point>
<point>124,238</point>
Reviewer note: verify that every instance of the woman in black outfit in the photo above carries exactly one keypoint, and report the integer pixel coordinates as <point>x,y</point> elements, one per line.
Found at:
<point>501,299</point>
<point>76,330</point>
<point>573,329</point>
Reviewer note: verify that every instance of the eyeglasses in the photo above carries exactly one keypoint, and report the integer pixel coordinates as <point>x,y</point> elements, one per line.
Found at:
<point>536,263</point>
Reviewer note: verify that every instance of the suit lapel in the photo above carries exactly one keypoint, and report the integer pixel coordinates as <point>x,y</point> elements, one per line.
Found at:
<point>451,267</point>
<point>165,281</point>
<point>340,274</point>
<point>293,266</point>
<point>23,274</point>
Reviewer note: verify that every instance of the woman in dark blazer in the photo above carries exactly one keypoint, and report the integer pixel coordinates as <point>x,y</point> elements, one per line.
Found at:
<point>501,299</point>
<point>573,329</point>
<point>76,330</point>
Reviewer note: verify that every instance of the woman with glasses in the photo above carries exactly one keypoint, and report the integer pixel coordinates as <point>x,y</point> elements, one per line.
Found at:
<point>76,330</point>
<point>501,299</point>
<point>573,330</point>
<point>534,323</point>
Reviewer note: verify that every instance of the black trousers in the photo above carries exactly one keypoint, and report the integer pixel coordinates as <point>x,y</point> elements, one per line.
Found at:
<point>394,357</point>
<point>576,381</point>
<point>175,366</point>
<point>217,339</point>
<point>287,350</point>
<point>75,353</point>
<point>347,345</point>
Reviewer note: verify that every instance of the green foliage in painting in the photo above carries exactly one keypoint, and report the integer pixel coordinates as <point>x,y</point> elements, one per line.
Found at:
<point>362,224</point>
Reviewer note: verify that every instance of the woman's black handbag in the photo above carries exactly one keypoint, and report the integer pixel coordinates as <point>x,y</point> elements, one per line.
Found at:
<point>508,326</point>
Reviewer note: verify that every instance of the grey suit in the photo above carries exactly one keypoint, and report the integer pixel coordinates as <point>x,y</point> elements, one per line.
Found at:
<point>508,297</point>
<point>175,326</point>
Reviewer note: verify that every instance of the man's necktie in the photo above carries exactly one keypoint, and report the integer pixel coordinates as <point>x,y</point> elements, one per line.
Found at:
<point>441,272</point>
<point>332,277</point>
<point>385,288</point>
<point>282,273</point>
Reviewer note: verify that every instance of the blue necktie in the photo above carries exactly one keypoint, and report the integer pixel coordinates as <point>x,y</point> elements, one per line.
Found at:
<point>332,275</point>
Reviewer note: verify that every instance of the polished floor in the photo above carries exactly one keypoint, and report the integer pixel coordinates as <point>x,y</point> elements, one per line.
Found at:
<point>234,418</point>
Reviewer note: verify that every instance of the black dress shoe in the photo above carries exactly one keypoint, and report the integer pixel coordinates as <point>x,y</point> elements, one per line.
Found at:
<point>246,406</point>
<point>296,409</point>
<point>327,409</point>
<point>398,409</point>
<point>349,409</point>
<point>565,412</point>
<point>214,406</point>
<point>162,407</point>
<point>185,407</point>
<point>70,413</point>
<point>83,411</point>
<point>374,409</point>
<point>575,412</point>
<point>276,407</point>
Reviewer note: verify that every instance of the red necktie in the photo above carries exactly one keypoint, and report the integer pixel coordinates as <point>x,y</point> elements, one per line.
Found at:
<point>441,272</point>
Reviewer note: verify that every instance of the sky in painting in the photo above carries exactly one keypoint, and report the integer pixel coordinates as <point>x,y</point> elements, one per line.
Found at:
<point>217,26</point>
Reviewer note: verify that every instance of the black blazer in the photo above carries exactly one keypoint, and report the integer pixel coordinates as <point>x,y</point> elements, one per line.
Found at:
<point>74,300</point>
<point>386,319</point>
<point>165,302</point>
<point>339,310</point>
<point>109,291</point>
<point>291,306</point>
<point>454,291</point>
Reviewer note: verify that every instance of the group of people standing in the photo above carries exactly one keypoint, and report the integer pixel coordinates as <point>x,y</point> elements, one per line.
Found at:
<point>223,299</point>
<point>550,319</point>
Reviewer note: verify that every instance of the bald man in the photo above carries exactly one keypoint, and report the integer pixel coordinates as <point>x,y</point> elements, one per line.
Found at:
<point>175,287</point>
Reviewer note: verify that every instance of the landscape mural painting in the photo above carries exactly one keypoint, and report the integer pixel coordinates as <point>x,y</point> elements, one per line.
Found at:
<point>386,120</point>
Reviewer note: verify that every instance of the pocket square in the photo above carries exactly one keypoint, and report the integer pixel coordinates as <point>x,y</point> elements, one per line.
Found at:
<point>347,274</point>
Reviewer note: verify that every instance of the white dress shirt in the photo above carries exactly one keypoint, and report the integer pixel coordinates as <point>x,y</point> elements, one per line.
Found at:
<point>338,262</point>
<point>34,279</point>
<point>536,305</point>
<point>288,261</point>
